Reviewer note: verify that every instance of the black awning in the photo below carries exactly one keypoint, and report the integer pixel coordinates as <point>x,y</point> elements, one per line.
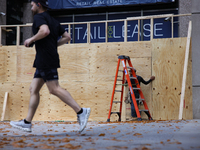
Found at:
<point>70,4</point>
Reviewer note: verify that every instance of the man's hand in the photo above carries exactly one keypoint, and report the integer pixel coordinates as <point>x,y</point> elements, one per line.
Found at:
<point>152,78</point>
<point>28,42</point>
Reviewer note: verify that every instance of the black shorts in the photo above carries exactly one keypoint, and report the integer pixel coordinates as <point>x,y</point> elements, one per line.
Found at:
<point>46,74</point>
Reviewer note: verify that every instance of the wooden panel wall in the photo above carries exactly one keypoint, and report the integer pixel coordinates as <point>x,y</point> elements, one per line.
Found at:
<point>167,65</point>
<point>87,72</point>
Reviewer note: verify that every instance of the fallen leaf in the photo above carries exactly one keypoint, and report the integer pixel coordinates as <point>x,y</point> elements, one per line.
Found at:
<point>30,144</point>
<point>117,147</point>
<point>102,134</point>
<point>145,148</point>
<point>70,146</point>
<point>136,134</point>
<point>65,140</point>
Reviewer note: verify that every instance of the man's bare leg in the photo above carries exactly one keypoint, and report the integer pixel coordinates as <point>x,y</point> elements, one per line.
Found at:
<point>64,95</point>
<point>34,89</point>
<point>25,124</point>
<point>82,113</point>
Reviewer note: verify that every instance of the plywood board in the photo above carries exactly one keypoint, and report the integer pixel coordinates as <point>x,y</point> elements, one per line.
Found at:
<point>10,64</point>
<point>167,60</point>
<point>25,96</point>
<point>25,58</point>
<point>74,61</point>
<point>87,72</point>
<point>14,103</point>
<point>2,65</point>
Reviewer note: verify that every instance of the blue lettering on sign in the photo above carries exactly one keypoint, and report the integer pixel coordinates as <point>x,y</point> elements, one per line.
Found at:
<point>97,32</point>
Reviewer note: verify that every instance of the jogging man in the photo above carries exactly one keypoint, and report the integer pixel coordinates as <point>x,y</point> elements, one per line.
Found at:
<point>46,32</point>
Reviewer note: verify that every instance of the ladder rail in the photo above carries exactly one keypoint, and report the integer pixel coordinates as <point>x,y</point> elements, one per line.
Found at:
<point>136,81</point>
<point>118,64</point>
<point>130,87</point>
<point>140,91</point>
<point>120,109</point>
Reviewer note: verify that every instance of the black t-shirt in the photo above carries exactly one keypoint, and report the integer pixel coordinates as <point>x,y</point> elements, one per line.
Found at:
<point>46,49</point>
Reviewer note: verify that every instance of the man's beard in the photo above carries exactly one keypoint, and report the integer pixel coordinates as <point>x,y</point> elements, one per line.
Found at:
<point>34,12</point>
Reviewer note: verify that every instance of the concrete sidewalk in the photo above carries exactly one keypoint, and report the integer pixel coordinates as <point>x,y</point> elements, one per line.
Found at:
<point>132,135</point>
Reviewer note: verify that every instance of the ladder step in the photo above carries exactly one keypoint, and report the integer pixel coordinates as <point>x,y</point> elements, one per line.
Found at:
<point>118,91</point>
<point>136,89</point>
<point>125,84</point>
<point>116,101</point>
<point>133,78</point>
<point>143,110</point>
<point>122,84</point>
<point>140,99</point>
<point>119,80</point>
<point>129,67</point>
<point>115,112</point>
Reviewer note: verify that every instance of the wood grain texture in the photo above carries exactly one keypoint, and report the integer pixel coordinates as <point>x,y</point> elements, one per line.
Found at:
<point>2,65</point>
<point>167,59</point>
<point>87,72</point>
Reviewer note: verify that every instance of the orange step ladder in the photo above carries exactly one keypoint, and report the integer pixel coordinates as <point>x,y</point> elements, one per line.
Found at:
<point>124,60</point>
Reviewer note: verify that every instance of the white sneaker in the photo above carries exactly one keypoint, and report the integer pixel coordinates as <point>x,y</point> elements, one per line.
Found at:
<point>21,125</point>
<point>83,118</point>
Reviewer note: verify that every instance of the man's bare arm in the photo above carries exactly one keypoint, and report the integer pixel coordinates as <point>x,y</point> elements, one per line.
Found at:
<point>42,33</point>
<point>64,39</point>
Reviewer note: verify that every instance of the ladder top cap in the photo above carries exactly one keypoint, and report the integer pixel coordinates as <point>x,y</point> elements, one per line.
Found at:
<point>123,57</point>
